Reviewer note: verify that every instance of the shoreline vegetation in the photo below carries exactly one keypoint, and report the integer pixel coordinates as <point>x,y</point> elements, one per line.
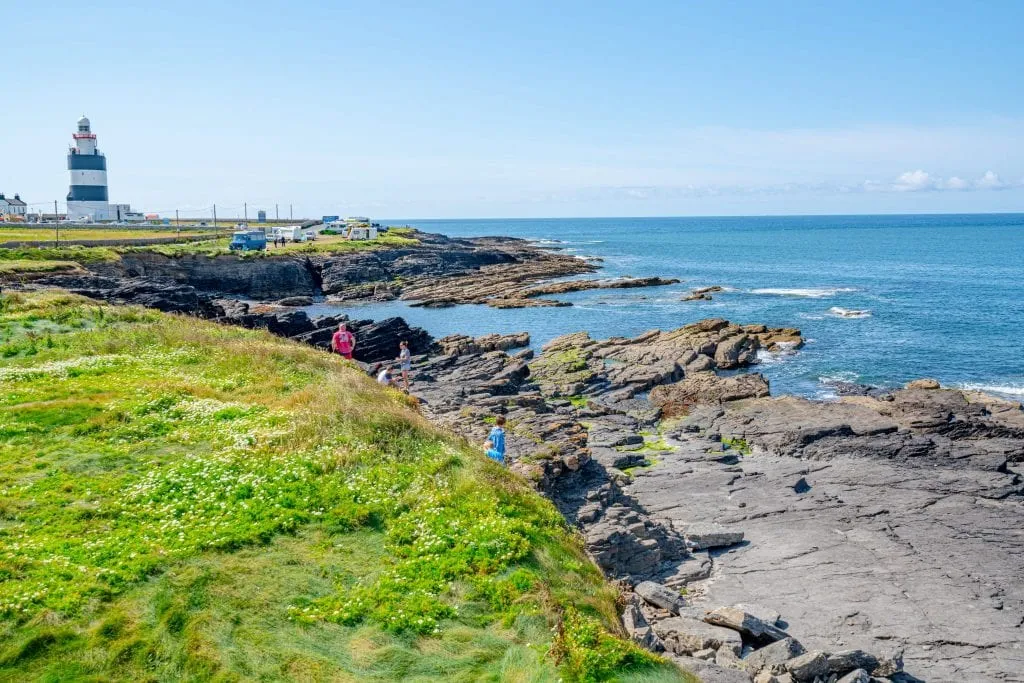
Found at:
<point>187,500</point>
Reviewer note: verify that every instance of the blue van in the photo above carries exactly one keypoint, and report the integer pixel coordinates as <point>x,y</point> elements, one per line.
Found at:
<point>248,240</point>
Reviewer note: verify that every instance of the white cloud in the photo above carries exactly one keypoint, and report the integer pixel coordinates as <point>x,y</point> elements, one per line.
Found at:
<point>915,181</point>
<point>922,181</point>
<point>990,181</point>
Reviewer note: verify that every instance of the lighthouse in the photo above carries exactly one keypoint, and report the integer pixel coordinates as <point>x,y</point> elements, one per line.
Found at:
<point>88,167</point>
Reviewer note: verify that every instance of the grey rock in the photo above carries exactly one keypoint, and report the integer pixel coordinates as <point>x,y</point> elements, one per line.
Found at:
<point>706,535</point>
<point>638,629</point>
<point>708,672</point>
<point>808,666</point>
<point>774,657</point>
<point>684,635</point>
<point>765,614</point>
<point>296,301</point>
<point>933,563</point>
<point>707,388</point>
<point>889,665</point>
<point>729,659</point>
<point>768,677</point>
<point>848,660</point>
<point>660,596</point>
<point>856,676</point>
<point>745,623</point>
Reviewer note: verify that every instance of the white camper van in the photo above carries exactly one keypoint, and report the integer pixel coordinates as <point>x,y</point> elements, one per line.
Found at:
<point>291,233</point>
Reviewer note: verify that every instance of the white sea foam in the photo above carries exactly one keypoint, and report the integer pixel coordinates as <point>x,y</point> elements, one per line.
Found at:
<point>766,357</point>
<point>808,293</point>
<point>825,395</point>
<point>849,312</point>
<point>1015,390</point>
<point>841,376</point>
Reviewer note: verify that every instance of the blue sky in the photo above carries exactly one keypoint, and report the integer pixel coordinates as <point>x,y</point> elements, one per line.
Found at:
<point>462,109</point>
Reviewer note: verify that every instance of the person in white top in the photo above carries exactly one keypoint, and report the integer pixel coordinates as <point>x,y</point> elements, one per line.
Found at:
<point>385,377</point>
<point>405,360</point>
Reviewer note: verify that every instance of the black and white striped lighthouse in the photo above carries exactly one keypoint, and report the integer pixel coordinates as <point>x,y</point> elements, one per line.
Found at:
<point>88,195</point>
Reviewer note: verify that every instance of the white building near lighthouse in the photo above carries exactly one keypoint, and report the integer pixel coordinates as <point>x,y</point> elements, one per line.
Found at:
<point>87,197</point>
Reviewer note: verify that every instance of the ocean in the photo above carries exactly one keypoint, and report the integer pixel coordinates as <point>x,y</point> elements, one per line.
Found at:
<point>880,299</point>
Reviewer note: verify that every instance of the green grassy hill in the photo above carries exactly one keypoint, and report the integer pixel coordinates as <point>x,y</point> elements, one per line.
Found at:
<point>186,501</point>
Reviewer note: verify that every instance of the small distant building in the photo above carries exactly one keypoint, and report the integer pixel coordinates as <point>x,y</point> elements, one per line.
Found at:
<point>357,219</point>
<point>12,206</point>
<point>362,232</point>
<point>261,216</point>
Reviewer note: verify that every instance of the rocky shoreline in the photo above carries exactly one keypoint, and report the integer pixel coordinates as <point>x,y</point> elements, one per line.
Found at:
<point>757,538</point>
<point>436,272</point>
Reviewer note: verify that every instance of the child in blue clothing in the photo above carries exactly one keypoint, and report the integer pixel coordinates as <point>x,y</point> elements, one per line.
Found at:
<point>497,436</point>
<point>493,453</point>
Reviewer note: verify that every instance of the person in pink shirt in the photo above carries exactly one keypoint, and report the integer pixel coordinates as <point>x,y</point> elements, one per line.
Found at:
<point>343,342</point>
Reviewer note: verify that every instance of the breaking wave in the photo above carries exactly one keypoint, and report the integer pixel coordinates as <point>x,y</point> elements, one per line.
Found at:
<point>808,293</point>
<point>839,377</point>
<point>849,312</point>
<point>1016,391</point>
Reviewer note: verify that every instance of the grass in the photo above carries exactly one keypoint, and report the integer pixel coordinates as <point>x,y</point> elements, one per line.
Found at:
<point>75,254</point>
<point>186,501</point>
<point>21,233</point>
<point>737,444</point>
<point>48,258</point>
<point>649,462</point>
<point>557,370</point>
<point>324,244</point>
<point>14,267</point>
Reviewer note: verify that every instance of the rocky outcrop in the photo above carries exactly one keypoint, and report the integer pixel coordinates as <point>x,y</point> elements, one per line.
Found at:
<point>702,293</point>
<point>526,297</point>
<point>493,284</point>
<point>436,271</point>
<point>795,490</point>
<point>377,341</point>
<point>707,388</point>
<point>460,344</point>
<point>620,368</point>
<point>260,278</point>
<point>869,520</point>
<point>162,294</point>
<point>349,275</point>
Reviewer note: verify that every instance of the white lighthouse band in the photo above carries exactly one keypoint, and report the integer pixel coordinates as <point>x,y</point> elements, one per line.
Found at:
<point>88,196</point>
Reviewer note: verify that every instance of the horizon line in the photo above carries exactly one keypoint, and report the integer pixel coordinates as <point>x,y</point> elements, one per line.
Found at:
<point>736,215</point>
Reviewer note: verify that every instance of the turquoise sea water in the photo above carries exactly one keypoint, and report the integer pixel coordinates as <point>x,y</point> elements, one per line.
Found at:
<point>943,295</point>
